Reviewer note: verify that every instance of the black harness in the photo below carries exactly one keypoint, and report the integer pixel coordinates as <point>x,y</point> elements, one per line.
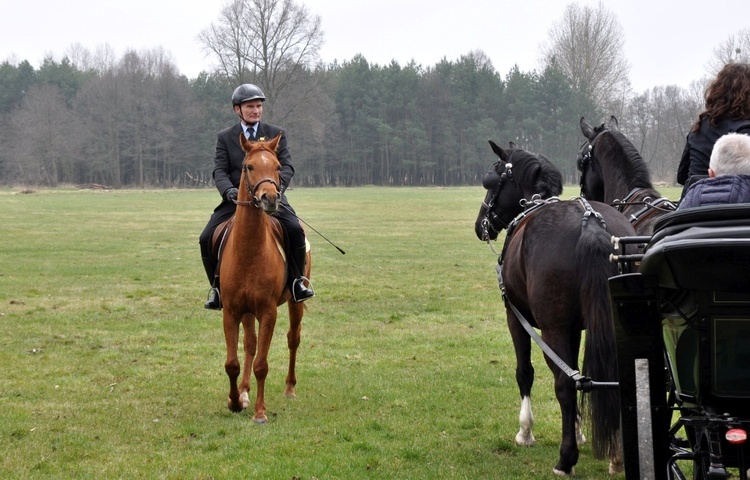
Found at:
<point>492,219</point>
<point>532,206</point>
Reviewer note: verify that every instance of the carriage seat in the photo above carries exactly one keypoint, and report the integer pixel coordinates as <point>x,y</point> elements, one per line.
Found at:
<point>702,248</point>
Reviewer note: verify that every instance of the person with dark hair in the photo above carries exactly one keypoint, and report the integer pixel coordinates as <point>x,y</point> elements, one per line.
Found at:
<point>727,110</point>
<point>728,175</point>
<point>247,102</point>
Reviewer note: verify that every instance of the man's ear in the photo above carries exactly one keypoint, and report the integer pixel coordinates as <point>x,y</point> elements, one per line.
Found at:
<point>711,173</point>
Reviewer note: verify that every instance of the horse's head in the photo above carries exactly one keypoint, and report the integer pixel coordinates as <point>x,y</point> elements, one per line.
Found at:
<point>517,175</point>
<point>260,174</point>
<point>591,181</point>
<point>609,163</point>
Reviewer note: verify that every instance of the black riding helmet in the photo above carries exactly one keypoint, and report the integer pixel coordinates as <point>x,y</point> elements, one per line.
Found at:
<point>246,92</point>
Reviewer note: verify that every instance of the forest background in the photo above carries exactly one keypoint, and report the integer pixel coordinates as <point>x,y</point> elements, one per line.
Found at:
<point>136,121</point>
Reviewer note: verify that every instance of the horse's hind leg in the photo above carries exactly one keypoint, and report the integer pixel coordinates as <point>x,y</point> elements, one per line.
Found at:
<point>232,364</point>
<point>524,379</point>
<point>296,311</point>
<point>616,462</point>
<point>567,398</point>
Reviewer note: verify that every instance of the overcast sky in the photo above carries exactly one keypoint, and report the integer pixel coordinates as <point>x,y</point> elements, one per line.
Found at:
<point>667,42</point>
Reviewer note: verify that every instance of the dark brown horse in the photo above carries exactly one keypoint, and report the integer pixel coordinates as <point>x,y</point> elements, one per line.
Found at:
<point>253,279</point>
<point>553,272</point>
<point>613,172</point>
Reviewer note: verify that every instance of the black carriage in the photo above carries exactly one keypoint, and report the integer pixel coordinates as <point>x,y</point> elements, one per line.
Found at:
<point>682,317</point>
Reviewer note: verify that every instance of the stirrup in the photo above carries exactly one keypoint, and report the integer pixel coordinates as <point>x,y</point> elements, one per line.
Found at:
<point>214,299</point>
<point>300,292</point>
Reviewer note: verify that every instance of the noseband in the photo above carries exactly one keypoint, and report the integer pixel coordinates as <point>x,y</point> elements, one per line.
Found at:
<point>251,188</point>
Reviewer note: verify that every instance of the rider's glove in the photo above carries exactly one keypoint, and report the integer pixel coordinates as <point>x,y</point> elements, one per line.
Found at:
<point>230,195</point>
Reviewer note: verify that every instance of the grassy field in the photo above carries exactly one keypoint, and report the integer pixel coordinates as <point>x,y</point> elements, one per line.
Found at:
<point>111,368</point>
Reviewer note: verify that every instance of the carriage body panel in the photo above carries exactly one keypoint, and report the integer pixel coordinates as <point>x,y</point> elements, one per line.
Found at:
<point>685,312</point>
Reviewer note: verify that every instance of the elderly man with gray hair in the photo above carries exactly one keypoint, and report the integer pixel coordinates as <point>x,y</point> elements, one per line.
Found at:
<point>729,174</point>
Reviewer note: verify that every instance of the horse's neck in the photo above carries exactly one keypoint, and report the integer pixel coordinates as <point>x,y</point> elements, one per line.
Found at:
<point>252,226</point>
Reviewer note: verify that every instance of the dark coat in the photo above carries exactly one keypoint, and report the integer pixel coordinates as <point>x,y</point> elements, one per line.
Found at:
<point>698,146</point>
<point>228,172</point>
<point>229,156</point>
<point>717,191</point>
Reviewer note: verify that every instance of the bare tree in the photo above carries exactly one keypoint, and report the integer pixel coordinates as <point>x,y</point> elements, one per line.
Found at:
<point>226,41</point>
<point>269,42</point>
<point>43,145</point>
<point>736,48</point>
<point>587,45</point>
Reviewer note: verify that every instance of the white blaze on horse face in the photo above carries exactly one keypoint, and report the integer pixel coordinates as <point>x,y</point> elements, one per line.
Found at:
<point>524,436</point>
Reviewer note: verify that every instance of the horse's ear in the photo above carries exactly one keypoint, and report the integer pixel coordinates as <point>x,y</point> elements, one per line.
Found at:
<point>512,145</point>
<point>244,142</point>
<point>587,130</point>
<point>612,125</point>
<point>275,142</point>
<point>499,151</point>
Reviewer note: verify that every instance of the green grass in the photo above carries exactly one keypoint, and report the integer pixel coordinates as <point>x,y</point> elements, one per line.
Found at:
<point>111,368</point>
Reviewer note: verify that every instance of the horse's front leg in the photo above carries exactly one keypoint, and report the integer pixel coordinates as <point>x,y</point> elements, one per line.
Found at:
<point>249,343</point>
<point>266,324</point>
<point>524,379</point>
<point>296,311</point>
<point>232,364</point>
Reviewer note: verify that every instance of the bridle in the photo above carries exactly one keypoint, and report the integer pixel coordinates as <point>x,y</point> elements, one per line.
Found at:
<point>585,159</point>
<point>492,219</point>
<point>255,202</point>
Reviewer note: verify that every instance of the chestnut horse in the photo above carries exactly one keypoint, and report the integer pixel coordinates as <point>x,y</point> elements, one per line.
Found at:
<point>253,279</point>
<point>553,272</point>
<point>612,171</point>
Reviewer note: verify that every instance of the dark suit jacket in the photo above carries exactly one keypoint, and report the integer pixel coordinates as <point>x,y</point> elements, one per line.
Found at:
<point>229,156</point>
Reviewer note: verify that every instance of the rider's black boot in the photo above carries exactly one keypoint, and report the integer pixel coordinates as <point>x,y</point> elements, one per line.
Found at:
<point>300,291</point>
<point>214,299</point>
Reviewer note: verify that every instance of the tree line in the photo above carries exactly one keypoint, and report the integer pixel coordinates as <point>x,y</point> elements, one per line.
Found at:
<point>136,121</point>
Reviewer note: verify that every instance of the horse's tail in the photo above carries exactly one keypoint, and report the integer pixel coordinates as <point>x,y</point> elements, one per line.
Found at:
<point>599,360</point>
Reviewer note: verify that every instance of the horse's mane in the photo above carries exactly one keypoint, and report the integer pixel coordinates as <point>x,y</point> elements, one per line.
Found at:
<point>535,173</point>
<point>635,169</point>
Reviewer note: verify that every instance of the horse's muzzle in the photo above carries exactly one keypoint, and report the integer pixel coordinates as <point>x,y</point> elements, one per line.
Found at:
<point>270,203</point>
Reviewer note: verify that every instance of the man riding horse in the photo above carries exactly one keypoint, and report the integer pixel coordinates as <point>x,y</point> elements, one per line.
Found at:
<point>247,102</point>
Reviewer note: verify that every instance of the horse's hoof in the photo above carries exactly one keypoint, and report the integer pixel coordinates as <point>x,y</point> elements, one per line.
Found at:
<point>290,395</point>
<point>616,467</point>
<point>260,420</point>
<point>244,400</point>
<point>235,407</point>
<point>525,439</point>
<point>562,473</point>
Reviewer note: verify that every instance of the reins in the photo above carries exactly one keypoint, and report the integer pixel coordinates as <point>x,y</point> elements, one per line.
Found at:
<point>255,202</point>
